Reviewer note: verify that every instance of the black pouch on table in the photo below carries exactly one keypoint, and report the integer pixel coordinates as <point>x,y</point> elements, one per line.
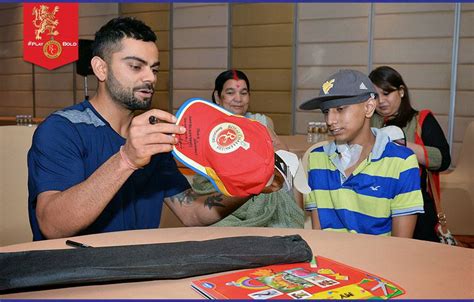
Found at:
<point>36,270</point>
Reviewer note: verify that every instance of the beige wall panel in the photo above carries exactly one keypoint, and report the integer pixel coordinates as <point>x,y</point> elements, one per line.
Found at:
<point>460,126</point>
<point>262,13</point>
<point>11,32</point>
<point>303,117</point>
<point>54,99</point>
<point>332,54</point>
<point>183,5</point>
<point>466,51</point>
<point>11,49</point>
<point>16,82</point>
<point>200,16</point>
<point>340,30</point>
<point>331,10</point>
<point>465,103</point>
<point>89,25</point>
<point>12,111</point>
<point>414,25</point>
<point>17,98</point>
<point>200,58</point>
<point>413,51</point>
<point>467,24</point>
<point>383,8</point>
<point>274,80</point>
<point>10,16</point>
<point>436,76</point>
<point>282,123</point>
<point>94,9</point>
<point>262,57</point>
<point>467,6</point>
<point>435,100</point>
<point>180,96</point>
<point>163,82</point>
<point>270,101</point>
<point>156,20</point>
<point>54,82</point>
<point>143,7</point>
<point>313,77</point>
<point>262,35</point>
<point>456,149</point>
<point>302,95</point>
<point>195,78</point>
<point>465,77</point>
<point>14,66</point>
<point>162,40</point>
<point>200,37</point>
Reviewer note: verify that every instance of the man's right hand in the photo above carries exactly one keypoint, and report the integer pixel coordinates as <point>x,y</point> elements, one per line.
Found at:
<point>146,139</point>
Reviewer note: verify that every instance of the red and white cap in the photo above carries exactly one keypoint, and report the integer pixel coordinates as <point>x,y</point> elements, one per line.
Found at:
<point>235,153</point>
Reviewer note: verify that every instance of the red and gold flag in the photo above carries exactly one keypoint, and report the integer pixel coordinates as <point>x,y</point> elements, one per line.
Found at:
<point>50,33</point>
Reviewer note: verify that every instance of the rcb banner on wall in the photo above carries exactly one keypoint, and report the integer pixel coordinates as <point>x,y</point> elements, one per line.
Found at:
<point>50,33</point>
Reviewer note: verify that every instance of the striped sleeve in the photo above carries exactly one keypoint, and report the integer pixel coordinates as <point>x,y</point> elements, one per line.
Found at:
<point>408,199</point>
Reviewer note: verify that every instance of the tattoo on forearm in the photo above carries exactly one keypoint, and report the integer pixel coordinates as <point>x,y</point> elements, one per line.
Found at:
<point>214,201</point>
<point>185,198</point>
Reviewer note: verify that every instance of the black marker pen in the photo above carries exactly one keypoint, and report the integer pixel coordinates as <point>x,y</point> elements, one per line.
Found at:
<point>76,244</point>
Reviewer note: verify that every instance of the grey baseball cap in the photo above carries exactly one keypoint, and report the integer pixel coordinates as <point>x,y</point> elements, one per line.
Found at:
<point>345,87</point>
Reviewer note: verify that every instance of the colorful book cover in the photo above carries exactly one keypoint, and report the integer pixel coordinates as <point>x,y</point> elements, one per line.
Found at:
<point>324,279</point>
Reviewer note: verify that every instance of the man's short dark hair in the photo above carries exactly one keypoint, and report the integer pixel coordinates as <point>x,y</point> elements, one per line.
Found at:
<point>108,37</point>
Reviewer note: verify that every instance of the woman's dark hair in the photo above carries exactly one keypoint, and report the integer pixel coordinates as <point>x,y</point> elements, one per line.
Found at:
<point>108,37</point>
<point>388,79</point>
<point>233,74</point>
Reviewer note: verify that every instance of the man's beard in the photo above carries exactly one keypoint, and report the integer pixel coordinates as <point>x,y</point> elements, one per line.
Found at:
<point>126,97</point>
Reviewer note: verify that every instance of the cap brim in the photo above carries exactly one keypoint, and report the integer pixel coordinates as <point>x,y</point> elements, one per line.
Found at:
<point>331,101</point>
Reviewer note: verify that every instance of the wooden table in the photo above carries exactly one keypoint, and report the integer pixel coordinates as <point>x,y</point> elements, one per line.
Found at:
<point>425,270</point>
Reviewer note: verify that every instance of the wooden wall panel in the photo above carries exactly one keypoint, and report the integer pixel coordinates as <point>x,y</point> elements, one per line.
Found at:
<point>262,39</point>
<point>412,39</point>
<point>263,57</point>
<point>10,66</point>
<point>341,30</point>
<point>330,37</point>
<point>204,37</point>
<point>200,48</point>
<point>199,58</point>
<point>157,16</point>
<point>199,16</point>
<point>330,11</point>
<point>416,39</point>
<point>16,81</point>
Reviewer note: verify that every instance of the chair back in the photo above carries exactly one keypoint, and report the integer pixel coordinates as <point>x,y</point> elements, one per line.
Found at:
<point>15,142</point>
<point>457,189</point>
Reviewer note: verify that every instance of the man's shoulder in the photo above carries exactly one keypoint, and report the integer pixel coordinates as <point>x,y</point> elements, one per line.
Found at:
<point>81,113</point>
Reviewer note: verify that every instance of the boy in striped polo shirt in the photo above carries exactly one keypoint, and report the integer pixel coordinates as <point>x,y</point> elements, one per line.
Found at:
<point>361,182</point>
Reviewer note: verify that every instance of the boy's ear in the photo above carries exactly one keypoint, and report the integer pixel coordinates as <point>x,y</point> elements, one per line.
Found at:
<point>99,67</point>
<point>370,106</point>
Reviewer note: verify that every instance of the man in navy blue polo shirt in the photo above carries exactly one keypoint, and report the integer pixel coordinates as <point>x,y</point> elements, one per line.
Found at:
<point>95,167</point>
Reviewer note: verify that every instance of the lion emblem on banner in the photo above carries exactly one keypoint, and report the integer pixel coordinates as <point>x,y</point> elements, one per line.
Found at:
<point>45,21</point>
